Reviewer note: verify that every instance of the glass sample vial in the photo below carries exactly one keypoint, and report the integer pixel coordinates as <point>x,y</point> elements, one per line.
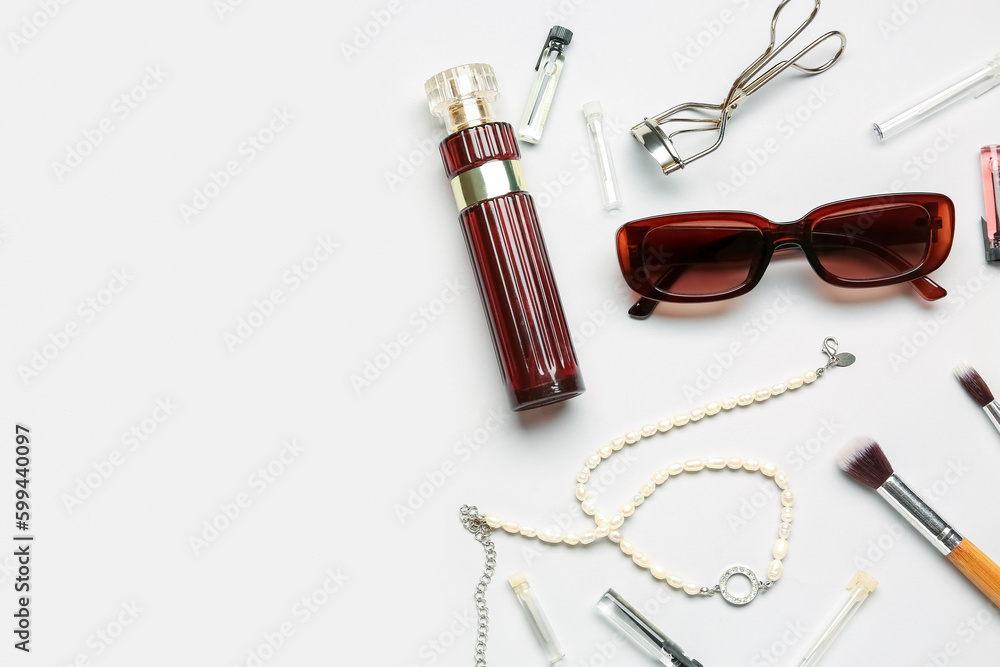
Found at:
<point>549,68</point>
<point>605,165</point>
<point>536,619</point>
<point>861,586</point>
<point>525,315</point>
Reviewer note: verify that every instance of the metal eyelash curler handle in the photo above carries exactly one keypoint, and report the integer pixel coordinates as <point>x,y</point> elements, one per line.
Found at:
<point>660,143</point>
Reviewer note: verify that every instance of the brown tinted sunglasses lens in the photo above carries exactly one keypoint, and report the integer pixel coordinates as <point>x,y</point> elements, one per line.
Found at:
<point>875,243</point>
<point>698,258</point>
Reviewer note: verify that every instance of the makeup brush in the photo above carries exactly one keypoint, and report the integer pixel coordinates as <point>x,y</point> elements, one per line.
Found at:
<point>976,387</point>
<point>864,460</point>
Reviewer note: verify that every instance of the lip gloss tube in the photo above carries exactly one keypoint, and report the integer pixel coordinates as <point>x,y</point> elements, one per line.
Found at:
<point>481,157</point>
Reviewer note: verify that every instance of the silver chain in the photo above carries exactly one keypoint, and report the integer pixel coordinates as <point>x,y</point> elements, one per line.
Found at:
<point>476,524</point>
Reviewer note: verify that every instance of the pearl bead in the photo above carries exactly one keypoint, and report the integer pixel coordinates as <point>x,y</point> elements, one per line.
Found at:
<point>728,403</point>
<point>734,462</point>
<point>665,425</point>
<point>751,464</point>
<point>646,490</point>
<point>761,395</point>
<point>769,470</point>
<point>640,559</point>
<point>600,519</point>
<point>583,476</point>
<point>809,377</point>
<point>602,531</point>
<point>694,465</point>
<point>794,382</point>
<point>781,479</point>
<point>615,536</point>
<point>787,514</point>
<point>627,509</point>
<point>593,461</point>
<point>581,492</point>
<point>658,572</point>
<point>605,451</point>
<point>744,399</point>
<point>691,588</point>
<point>778,389</point>
<point>682,419</point>
<point>713,408</point>
<point>528,531</point>
<point>633,437</point>
<point>649,430</point>
<point>637,499</point>
<point>774,570</point>
<point>787,498</point>
<point>550,536</point>
<point>697,414</point>
<point>675,468</point>
<point>674,581</point>
<point>493,521</point>
<point>571,538</point>
<point>785,530</point>
<point>780,549</point>
<point>588,507</point>
<point>616,521</point>
<point>715,463</point>
<point>626,547</point>
<point>617,443</point>
<point>511,526</point>
<point>661,476</point>
<point>587,537</point>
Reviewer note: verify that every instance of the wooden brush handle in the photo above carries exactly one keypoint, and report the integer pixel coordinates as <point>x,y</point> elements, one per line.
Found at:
<point>977,568</point>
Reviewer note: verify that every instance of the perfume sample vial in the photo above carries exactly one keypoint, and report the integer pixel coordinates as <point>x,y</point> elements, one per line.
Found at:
<point>536,617</point>
<point>549,68</point>
<point>482,159</point>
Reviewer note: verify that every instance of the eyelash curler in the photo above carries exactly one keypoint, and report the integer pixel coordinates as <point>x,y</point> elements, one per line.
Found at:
<point>653,136</point>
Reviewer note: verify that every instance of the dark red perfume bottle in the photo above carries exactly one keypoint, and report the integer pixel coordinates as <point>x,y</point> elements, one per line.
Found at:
<point>482,159</point>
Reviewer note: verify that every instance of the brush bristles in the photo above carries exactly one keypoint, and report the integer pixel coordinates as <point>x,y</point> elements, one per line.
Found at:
<point>974,385</point>
<point>864,460</point>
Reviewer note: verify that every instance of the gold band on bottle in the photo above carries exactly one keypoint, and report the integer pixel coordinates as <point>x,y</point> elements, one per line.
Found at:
<point>493,179</point>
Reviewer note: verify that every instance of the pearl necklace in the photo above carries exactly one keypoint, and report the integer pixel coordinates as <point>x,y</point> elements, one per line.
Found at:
<point>611,527</point>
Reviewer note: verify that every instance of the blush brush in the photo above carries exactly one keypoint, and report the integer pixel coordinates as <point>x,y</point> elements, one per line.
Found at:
<point>864,460</point>
<point>976,387</point>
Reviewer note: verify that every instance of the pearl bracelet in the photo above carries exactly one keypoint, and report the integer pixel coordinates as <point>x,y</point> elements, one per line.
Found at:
<point>610,527</point>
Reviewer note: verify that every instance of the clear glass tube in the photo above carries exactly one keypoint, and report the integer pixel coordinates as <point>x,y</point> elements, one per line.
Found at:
<point>974,84</point>
<point>647,637</point>
<point>605,165</point>
<point>550,67</point>
<point>536,618</point>
<point>861,585</point>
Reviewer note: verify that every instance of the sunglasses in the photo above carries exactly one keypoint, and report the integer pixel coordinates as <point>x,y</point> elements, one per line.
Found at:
<point>710,256</point>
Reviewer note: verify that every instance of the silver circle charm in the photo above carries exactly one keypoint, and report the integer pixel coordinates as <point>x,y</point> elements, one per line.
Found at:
<point>746,572</point>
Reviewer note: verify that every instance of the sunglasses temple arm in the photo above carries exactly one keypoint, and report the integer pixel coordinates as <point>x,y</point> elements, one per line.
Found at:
<point>642,308</point>
<point>928,289</point>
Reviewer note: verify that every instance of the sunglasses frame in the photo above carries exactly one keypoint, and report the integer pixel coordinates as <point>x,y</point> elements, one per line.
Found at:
<point>779,236</point>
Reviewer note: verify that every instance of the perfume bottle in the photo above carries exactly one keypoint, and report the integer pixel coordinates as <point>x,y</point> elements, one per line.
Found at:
<point>525,315</point>
<point>549,68</point>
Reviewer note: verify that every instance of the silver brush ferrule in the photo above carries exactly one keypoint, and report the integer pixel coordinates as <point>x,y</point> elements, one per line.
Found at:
<point>993,411</point>
<point>920,515</point>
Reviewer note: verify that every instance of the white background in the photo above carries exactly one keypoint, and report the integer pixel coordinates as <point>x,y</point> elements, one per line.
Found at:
<point>356,167</point>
